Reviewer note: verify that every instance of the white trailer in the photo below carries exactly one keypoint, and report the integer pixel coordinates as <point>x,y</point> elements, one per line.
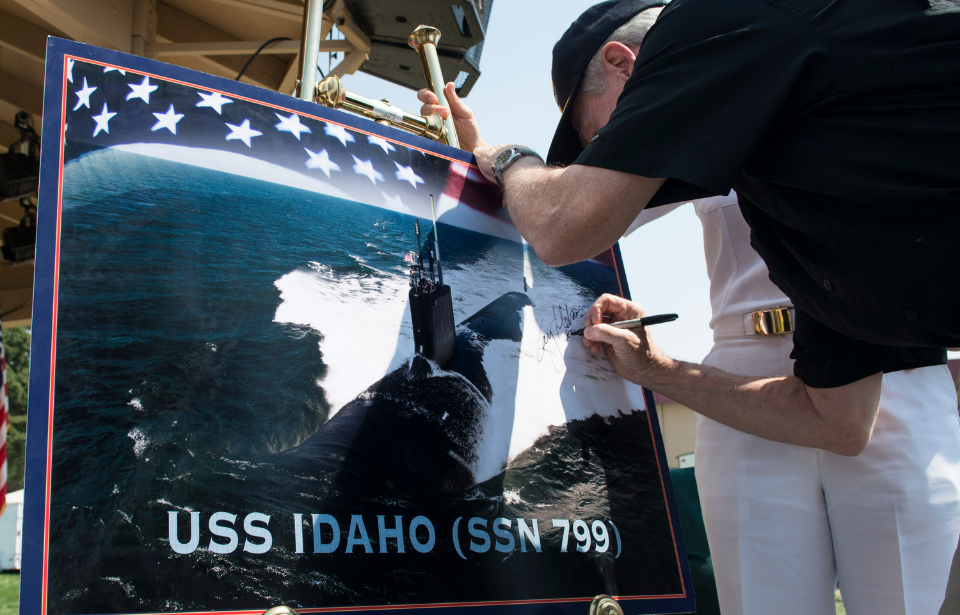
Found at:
<point>11,529</point>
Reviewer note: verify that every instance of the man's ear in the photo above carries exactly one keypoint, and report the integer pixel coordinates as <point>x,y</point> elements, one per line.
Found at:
<point>618,59</point>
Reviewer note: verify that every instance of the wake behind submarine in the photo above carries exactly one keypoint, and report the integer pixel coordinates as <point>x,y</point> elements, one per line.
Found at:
<point>415,431</point>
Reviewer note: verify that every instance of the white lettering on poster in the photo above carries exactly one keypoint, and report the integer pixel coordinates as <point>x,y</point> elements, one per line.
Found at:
<point>257,532</point>
<point>483,536</point>
<point>190,546</point>
<point>318,545</point>
<point>223,531</point>
<point>221,525</point>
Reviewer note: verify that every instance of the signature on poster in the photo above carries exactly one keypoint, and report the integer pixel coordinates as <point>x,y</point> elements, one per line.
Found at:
<point>564,319</point>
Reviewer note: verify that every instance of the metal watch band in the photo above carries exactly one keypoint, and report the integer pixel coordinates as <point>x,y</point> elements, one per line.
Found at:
<point>516,153</point>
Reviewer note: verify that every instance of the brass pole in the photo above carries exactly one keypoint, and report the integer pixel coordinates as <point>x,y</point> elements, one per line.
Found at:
<point>310,47</point>
<point>331,93</point>
<point>424,39</point>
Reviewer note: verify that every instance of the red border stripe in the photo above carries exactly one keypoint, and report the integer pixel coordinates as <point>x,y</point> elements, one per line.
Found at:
<point>53,352</point>
<point>616,269</point>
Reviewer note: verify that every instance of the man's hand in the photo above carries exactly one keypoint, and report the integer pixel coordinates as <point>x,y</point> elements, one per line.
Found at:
<point>631,352</point>
<point>468,132</point>
<point>567,214</point>
<point>780,408</point>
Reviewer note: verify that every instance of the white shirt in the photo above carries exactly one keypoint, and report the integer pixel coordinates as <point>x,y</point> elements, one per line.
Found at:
<point>739,279</point>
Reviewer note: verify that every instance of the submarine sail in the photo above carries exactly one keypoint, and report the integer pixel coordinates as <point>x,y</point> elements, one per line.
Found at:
<point>431,304</point>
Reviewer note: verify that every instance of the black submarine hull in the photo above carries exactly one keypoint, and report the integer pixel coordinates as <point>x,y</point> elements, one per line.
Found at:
<point>418,427</point>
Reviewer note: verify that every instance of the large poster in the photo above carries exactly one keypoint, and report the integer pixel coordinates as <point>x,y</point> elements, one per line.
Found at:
<point>262,375</point>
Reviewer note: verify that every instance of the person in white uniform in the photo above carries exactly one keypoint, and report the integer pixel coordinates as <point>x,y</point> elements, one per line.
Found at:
<point>692,113</point>
<point>784,522</point>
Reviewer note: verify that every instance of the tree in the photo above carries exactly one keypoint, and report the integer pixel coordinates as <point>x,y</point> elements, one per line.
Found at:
<point>16,346</point>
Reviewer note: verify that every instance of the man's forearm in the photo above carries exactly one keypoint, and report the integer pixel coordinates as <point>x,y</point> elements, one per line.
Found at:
<point>574,213</point>
<point>779,408</point>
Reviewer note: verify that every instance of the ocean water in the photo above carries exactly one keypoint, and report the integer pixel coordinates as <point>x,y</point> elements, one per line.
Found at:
<point>231,345</point>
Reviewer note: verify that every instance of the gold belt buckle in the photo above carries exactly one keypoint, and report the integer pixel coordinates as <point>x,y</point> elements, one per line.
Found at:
<point>772,322</point>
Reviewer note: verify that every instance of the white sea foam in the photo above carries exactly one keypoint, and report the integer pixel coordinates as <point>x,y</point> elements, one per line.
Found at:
<point>365,325</point>
<point>135,403</point>
<point>542,381</point>
<point>545,380</point>
<point>167,504</point>
<point>365,321</point>
<point>140,441</point>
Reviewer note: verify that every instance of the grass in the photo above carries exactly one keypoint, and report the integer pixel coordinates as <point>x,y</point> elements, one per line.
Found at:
<point>9,593</point>
<point>839,602</point>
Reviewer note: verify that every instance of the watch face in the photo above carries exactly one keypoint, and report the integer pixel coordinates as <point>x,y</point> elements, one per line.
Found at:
<point>503,157</point>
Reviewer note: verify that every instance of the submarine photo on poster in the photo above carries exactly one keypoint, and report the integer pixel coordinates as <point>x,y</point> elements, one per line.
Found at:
<point>304,359</point>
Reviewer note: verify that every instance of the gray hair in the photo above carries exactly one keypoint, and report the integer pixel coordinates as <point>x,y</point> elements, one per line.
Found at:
<point>630,34</point>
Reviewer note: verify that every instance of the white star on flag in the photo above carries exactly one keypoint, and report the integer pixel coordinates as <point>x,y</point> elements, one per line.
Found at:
<point>406,174</point>
<point>141,91</point>
<point>242,132</point>
<point>167,120</point>
<point>83,95</point>
<point>365,168</point>
<point>109,69</point>
<point>321,161</point>
<point>338,132</point>
<point>215,101</point>
<point>102,120</point>
<point>381,142</point>
<point>70,70</point>
<point>291,124</point>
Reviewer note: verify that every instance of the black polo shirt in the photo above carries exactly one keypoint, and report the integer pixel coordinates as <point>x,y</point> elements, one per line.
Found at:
<point>838,124</point>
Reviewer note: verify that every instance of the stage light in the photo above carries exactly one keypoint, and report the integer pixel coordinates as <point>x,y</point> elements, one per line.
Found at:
<point>19,175</point>
<point>20,166</point>
<point>20,242</point>
<point>388,24</point>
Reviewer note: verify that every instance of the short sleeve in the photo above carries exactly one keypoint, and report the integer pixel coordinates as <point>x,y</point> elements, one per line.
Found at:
<point>711,81</point>
<point>648,215</point>
<point>824,359</point>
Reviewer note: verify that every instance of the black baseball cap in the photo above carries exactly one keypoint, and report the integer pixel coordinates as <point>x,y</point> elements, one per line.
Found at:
<point>571,55</point>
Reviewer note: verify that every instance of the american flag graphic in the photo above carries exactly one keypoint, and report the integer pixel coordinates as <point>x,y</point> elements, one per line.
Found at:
<point>114,106</point>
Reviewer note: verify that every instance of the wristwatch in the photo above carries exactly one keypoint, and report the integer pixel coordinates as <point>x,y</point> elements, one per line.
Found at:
<point>507,157</point>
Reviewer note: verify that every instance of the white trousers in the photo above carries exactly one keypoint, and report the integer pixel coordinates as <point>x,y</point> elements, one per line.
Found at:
<point>786,523</point>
